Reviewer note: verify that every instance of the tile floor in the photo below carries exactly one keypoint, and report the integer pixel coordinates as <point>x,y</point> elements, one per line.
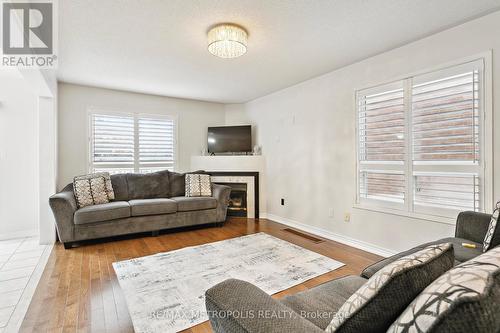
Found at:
<point>19,259</point>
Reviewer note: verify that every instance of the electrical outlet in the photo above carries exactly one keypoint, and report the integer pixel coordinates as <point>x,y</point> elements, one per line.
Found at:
<point>330,212</point>
<point>282,201</point>
<point>347,217</point>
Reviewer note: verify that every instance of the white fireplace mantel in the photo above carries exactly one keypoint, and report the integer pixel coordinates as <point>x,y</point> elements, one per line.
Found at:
<point>228,163</point>
<point>236,163</point>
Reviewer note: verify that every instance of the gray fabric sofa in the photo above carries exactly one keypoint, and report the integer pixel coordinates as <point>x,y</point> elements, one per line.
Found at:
<point>143,203</point>
<point>236,306</point>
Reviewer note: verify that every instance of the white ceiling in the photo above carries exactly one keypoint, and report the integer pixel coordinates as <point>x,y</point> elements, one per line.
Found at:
<point>159,46</point>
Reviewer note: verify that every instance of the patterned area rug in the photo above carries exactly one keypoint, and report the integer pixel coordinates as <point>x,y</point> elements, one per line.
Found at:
<point>165,292</point>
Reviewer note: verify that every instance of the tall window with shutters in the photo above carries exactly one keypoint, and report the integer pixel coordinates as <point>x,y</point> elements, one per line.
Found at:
<point>121,143</point>
<point>420,142</point>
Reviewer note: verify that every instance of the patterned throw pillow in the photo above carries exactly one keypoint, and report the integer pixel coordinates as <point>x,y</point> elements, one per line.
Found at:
<point>198,185</point>
<point>492,227</point>
<point>464,299</point>
<point>93,189</point>
<point>375,306</point>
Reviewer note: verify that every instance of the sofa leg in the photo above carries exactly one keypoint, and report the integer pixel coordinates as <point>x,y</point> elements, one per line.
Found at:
<point>68,245</point>
<point>155,233</point>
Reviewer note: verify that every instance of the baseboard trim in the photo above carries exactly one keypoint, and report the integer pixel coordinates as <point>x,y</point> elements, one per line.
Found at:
<point>332,236</point>
<point>18,234</point>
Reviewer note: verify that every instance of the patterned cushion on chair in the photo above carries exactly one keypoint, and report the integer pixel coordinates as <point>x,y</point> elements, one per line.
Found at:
<point>93,189</point>
<point>375,306</point>
<point>198,185</point>
<point>492,227</point>
<point>464,299</point>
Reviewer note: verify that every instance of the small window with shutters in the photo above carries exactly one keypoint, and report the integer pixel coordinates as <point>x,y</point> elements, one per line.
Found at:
<point>121,143</point>
<point>420,142</point>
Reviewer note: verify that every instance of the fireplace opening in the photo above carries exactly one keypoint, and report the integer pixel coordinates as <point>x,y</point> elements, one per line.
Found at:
<point>237,199</point>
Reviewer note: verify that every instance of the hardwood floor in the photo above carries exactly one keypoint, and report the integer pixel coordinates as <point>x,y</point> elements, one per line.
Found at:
<point>79,292</point>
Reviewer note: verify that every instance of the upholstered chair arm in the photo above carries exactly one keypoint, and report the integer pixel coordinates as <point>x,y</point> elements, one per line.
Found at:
<point>473,226</point>
<point>236,306</point>
<point>64,206</point>
<point>221,193</point>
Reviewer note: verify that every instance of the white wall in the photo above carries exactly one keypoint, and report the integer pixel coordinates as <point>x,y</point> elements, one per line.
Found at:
<point>18,156</point>
<point>307,133</point>
<point>44,84</point>
<point>193,118</point>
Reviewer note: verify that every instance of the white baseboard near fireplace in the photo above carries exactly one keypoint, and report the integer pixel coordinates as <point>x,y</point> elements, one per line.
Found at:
<point>332,236</point>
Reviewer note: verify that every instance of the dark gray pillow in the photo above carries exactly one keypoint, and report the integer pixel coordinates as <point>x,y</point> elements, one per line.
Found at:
<point>120,186</point>
<point>464,299</point>
<point>375,306</point>
<point>178,183</point>
<point>148,186</point>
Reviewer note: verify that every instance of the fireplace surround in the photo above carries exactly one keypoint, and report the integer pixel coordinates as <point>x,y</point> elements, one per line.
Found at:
<point>244,199</point>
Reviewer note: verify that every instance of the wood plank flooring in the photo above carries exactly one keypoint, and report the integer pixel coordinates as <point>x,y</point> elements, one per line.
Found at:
<point>79,292</point>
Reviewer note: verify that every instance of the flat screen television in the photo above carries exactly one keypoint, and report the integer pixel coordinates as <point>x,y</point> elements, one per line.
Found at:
<point>230,139</point>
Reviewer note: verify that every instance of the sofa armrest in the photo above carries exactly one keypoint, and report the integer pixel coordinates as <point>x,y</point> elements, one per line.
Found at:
<point>472,226</point>
<point>236,306</point>
<point>64,206</point>
<point>221,194</point>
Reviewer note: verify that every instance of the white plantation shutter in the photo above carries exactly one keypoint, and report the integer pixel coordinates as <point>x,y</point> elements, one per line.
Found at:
<point>446,132</point>
<point>381,132</point>
<point>123,143</point>
<point>112,143</point>
<point>156,144</point>
<point>447,191</point>
<point>445,115</point>
<point>420,142</point>
<point>382,185</point>
<point>382,126</point>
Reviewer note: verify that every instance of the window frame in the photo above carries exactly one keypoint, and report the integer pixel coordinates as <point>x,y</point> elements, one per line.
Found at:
<point>485,143</point>
<point>136,115</point>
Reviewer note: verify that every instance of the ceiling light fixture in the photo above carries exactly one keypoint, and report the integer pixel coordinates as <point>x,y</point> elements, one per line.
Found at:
<point>227,41</point>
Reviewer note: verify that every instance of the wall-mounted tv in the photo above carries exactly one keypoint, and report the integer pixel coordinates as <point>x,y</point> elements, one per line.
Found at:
<point>230,139</point>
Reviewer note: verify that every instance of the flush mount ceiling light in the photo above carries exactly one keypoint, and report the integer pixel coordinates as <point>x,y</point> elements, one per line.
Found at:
<point>227,41</point>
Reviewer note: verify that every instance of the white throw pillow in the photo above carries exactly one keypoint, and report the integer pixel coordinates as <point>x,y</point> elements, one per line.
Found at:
<point>93,189</point>
<point>198,185</point>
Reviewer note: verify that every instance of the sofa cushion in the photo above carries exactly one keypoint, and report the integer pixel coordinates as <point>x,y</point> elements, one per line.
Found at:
<point>185,204</point>
<point>461,254</point>
<point>120,187</point>
<point>142,207</point>
<point>105,212</point>
<point>325,299</point>
<point>375,306</point>
<point>492,227</point>
<point>178,183</point>
<point>464,299</point>
<point>148,186</point>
